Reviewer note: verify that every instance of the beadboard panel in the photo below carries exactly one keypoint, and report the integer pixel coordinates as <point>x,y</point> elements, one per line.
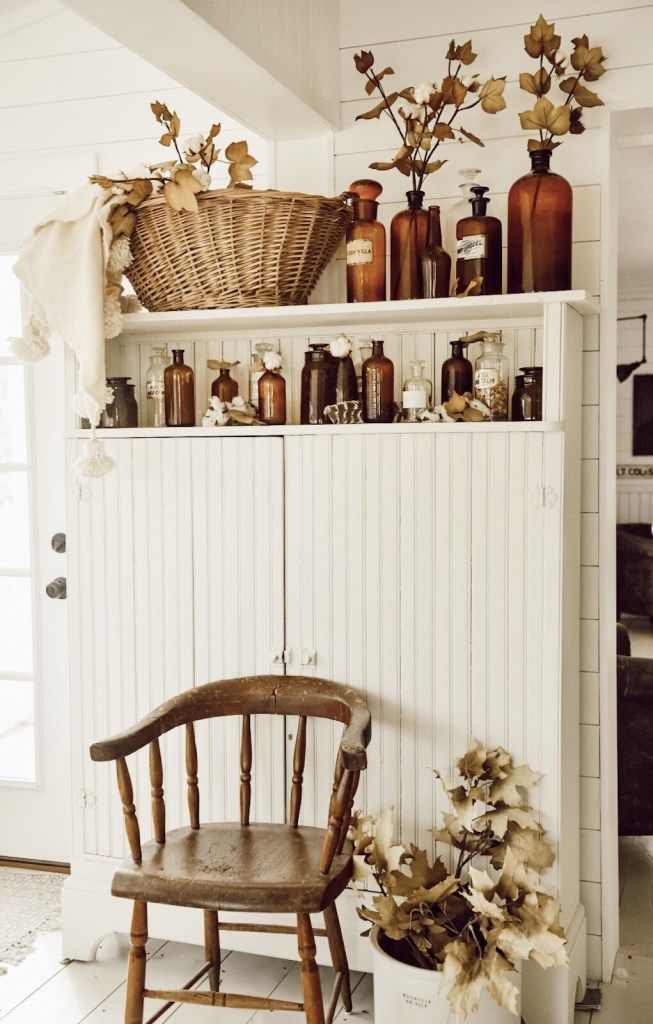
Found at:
<point>634,501</point>
<point>188,594</point>
<point>454,525</point>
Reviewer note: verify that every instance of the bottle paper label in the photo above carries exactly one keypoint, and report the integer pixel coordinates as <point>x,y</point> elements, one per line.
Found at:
<point>473,247</point>
<point>486,378</point>
<point>360,250</point>
<point>155,389</point>
<point>414,399</point>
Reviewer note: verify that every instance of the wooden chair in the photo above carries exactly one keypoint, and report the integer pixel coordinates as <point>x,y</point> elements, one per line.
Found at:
<point>274,868</point>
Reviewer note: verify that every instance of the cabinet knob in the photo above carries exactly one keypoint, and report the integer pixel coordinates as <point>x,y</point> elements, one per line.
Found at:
<point>308,657</point>
<point>59,543</point>
<point>56,589</point>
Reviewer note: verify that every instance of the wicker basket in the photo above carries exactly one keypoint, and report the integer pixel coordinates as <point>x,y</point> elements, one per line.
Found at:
<point>243,248</point>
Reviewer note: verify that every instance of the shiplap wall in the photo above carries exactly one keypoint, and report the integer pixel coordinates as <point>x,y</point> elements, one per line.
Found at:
<point>73,101</point>
<point>634,497</point>
<point>414,46</point>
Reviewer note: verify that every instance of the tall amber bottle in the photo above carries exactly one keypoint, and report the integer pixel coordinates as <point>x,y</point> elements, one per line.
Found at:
<point>436,263</point>
<point>539,229</point>
<point>408,234</point>
<point>272,398</point>
<point>365,245</point>
<point>179,386</point>
<point>479,247</point>
<point>457,372</point>
<point>378,386</point>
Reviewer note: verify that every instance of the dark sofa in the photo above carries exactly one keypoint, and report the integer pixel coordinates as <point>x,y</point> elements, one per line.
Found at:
<point>634,739</point>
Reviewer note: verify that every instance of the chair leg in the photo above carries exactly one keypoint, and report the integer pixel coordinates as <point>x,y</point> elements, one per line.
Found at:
<point>311,987</point>
<point>338,952</point>
<point>134,1001</point>
<point>212,947</point>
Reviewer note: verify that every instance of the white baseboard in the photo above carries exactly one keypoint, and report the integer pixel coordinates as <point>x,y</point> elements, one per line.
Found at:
<point>549,997</point>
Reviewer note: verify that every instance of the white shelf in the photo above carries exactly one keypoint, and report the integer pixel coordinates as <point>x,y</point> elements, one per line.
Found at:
<point>324,428</point>
<point>363,316</point>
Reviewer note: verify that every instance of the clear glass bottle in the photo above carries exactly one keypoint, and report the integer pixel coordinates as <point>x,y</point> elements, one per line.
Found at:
<point>123,411</point>
<point>436,263</point>
<point>179,382</point>
<point>155,388</point>
<point>417,392</point>
<point>457,372</point>
<point>460,208</point>
<point>378,386</point>
<point>365,245</point>
<point>491,376</point>
<point>478,248</point>
<point>256,368</point>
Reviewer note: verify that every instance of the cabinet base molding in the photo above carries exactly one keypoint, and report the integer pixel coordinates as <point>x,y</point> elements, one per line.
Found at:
<point>549,997</point>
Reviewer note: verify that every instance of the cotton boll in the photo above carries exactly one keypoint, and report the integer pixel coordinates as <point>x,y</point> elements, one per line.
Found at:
<point>272,361</point>
<point>621,974</point>
<point>120,255</point>
<point>139,171</point>
<point>340,346</point>
<point>204,178</point>
<point>422,92</point>
<point>112,317</point>
<point>193,144</point>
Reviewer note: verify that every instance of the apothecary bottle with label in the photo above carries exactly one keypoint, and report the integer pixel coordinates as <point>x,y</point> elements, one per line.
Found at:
<point>436,263</point>
<point>491,376</point>
<point>457,372</point>
<point>478,248</point>
<point>155,388</point>
<point>378,386</point>
<point>179,381</point>
<point>417,392</point>
<point>365,245</point>
<point>318,383</point>
<point>460,209</point>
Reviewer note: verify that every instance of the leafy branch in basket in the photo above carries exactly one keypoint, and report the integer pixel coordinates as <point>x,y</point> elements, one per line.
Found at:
<point>460,919</point>
<point>178,180</point>
<point>587,65</point>
<point>424,114</point>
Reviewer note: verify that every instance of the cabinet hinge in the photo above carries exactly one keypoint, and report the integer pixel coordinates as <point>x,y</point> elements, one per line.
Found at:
<point>543,497</point>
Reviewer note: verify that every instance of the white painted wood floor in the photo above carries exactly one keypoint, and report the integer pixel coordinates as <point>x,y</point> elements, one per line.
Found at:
<point>42,989</point>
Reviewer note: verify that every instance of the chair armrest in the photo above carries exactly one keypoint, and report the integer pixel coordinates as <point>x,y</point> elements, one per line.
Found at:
<point>635,679</point>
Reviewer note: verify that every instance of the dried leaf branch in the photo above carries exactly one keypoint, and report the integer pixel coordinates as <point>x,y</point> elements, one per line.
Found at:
<point>424,114</point>
<point>549,120</point>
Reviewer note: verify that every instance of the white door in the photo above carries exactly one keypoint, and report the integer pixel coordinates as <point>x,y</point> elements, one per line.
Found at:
<point>34,703</point>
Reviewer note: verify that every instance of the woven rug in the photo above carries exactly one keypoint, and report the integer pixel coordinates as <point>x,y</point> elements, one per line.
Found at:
<point>30,903</point>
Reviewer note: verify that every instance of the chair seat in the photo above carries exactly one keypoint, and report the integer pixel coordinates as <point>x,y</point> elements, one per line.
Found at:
<point>222,866</point>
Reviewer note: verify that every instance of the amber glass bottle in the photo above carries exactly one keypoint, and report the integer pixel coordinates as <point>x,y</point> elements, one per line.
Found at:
<point>408,233</point>
<point>378,386</point>
<point>272,398</point>
<point>436,263</point>
<point>318,384</point>
<point>539,229</point>
<point>179,385</point>
<point>365,245</point>
<point>224,386</point>
<point>457,372</point>
<point>479,247</point>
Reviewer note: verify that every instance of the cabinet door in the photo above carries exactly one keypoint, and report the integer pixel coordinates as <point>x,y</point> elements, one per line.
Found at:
<point>176,579</point>
<point>422,569</point>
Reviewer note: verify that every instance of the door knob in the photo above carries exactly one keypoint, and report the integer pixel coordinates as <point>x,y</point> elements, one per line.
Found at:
<point>57,588</point>
<point>59,543</point>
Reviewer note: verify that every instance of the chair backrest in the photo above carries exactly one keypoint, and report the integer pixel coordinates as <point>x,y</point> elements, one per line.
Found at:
<point>304,696</point>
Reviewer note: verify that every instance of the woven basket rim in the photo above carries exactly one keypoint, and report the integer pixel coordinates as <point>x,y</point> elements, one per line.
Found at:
<point>249,194</point>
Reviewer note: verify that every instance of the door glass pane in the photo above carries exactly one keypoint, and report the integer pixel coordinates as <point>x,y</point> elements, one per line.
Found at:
<point>9,302</point>
<point>15,624</point>
<point>17,747</point>
<point>14,521</point>
<point>13,432</point>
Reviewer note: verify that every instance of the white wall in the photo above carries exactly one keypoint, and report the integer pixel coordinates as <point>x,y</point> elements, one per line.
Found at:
<point>413,43</point>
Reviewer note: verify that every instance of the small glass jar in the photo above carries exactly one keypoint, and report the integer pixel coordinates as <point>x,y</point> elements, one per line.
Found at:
<point>155,402</point>
<point>527,401</point>
<point>417,392</point>
<point>224,386</point>
<point>123,411</point>
<point>256,368</point>
<point>491,376</point>
<point>271,398</point>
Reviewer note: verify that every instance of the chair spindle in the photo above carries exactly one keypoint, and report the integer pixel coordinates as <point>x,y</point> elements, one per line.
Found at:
<point>191,777</point>
<point>346,822</point>
<point>131,821</point>
<point>299,758</point>
<point>337,812</point>
<point>156,782</point>
<point>245,771</point>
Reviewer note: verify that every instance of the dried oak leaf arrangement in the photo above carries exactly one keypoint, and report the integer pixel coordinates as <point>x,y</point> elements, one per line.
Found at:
<point>424,114</point>
<point>586,62</point>
<point>461,920</point>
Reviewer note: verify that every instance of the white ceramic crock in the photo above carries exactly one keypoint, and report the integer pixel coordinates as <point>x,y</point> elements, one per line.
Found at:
<point>411,995</point>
